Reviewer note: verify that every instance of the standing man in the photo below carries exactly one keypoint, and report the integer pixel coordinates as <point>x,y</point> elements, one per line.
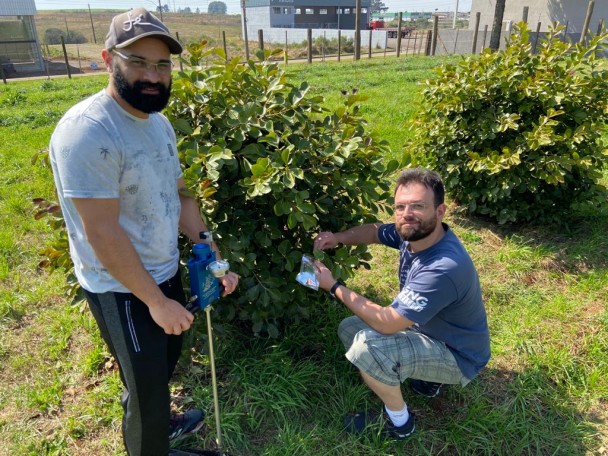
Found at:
<point>120,186</point>
<point>435,332</point>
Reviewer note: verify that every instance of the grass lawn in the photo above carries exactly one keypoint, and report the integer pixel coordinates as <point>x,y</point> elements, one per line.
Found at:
<point>546,290</point>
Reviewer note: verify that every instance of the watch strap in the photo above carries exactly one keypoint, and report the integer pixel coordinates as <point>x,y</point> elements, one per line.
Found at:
<point>332,291</point>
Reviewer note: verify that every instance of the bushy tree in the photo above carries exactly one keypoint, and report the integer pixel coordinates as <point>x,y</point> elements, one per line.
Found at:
<point>53,36</point>
<point>517,135</point>
<point>272,167</point>
<point>217,8</point>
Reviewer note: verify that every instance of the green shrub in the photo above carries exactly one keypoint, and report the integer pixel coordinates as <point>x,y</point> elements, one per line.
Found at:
<point>271,167</point>
<point>518,136</point>
<point>53,36</point>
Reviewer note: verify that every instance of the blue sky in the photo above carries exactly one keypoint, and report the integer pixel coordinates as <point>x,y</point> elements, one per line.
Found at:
<point>234,5</point>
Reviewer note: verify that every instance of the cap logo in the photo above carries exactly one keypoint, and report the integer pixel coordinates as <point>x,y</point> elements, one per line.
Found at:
<point>129,23</point>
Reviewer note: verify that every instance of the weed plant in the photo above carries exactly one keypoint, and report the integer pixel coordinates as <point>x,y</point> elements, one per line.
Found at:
<point>546,288</point>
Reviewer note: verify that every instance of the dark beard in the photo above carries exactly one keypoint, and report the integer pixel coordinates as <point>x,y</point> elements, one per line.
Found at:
<point>132,94</point>
<point>416,234</point>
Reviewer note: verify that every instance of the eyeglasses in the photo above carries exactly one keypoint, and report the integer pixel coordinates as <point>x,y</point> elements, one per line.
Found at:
<point>415,207</point>
<point>139,64</point>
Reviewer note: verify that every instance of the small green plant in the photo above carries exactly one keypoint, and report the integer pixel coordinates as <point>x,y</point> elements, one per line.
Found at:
<point>518,136</point>
<point>271,167</point>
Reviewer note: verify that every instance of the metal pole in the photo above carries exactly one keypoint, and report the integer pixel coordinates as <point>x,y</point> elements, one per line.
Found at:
<point>358,30</point>
<point>455,14</point>
<point>216,403</point>
<point>92,26</point>
<point>435,33</point>
<point>536,38</point>
<point>369,52</point>
<point>476,33</point>
<point>399,34</point>
<point>244,9</point>
<point>309,36</point>
<point>587,20</point>
<point>524,16</point>
<point>65,56</point>
<point>224,41</point>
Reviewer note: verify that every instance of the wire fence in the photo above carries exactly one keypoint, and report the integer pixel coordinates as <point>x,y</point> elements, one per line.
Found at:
<point>28,46</point>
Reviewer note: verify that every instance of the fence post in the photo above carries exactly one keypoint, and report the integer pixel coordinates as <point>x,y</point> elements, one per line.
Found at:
<point>456,41</point>
<point>2,72</point>
<point>224,43</point>
<point>369,52</point>
<point>309,36</point>
<point>286,50</point>
<point>499,12</point>
<point>587,20</point>
<point>181,65</point>
<point>385,43</point>
<point>600,26</point>
<point>429,41</point>
<point>485,35</point>
<point>536,38</point>
<point>65,56</point>
<point>524,16</point>
<point>399,34</point>
<point>261,39</point>
<point>323,48</point>
<point>476,32</point>
<point>435,32</point>
<point>339,44</point>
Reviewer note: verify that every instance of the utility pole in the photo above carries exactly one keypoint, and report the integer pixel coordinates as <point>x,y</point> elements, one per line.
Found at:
<point>455,15</point>
<point>244,9</point>
<point>160,10</point>
<point>92,26</point>
<point>358,30</point>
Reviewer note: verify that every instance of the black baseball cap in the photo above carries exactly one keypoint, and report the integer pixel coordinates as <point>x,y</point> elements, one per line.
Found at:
<point>127,28</point>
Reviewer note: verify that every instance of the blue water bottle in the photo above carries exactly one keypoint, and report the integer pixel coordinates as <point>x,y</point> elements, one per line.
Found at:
<point>203,283</point>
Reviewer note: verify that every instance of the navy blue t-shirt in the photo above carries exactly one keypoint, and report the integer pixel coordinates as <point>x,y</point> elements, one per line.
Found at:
<point>440,293</point>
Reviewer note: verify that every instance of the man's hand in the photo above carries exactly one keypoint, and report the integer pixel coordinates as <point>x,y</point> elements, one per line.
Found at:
<point>325,240</point>
<point>171,316</point>
<point>326,278</point>
<point>230,281</point>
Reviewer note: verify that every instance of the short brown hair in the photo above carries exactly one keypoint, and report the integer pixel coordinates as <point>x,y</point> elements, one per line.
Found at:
<point>430,179</point>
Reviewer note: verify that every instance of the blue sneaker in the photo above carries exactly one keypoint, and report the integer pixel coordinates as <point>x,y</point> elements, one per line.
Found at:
<point>184,424</point>
<point>361,422</point>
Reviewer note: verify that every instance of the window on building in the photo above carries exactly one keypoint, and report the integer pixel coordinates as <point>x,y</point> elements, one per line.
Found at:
<point>298,10</point>
<point>287,11</point>
<point>363,10</point>
<point>276,10</point>
<point>346,10</point>
<point>323,11</point>
<point>310,11</point>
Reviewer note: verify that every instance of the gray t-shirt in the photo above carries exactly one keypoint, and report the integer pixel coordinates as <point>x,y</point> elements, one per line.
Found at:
<point>440,293</point>
<point>98,150</point>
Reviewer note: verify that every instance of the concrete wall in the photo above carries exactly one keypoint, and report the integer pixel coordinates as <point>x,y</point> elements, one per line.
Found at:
<point>546,12</point>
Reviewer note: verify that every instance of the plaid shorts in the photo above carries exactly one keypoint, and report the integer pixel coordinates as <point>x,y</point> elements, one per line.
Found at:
<point>391,359</point>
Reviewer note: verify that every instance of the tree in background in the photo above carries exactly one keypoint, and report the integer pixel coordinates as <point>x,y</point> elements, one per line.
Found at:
<point>217,8</point>
<point>53,36</point>
<point>377,6</point>
<point>165,9</point>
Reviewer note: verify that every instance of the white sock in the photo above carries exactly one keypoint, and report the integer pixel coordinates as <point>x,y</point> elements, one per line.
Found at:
<point>398,417</point>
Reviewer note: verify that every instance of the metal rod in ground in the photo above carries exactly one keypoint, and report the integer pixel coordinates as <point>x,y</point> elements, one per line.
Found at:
<point>216,404</point>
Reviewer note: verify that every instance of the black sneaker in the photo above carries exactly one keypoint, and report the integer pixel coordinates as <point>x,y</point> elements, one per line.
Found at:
<point>359,423</point>
<point>185,423</point>
<point>427,389</point>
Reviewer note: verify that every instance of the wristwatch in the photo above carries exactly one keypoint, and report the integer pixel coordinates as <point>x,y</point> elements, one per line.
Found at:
<point>206,236</point>
<point>332,291</point>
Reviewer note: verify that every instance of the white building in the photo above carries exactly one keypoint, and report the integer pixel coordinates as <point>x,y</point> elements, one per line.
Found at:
<point>19,44</point>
